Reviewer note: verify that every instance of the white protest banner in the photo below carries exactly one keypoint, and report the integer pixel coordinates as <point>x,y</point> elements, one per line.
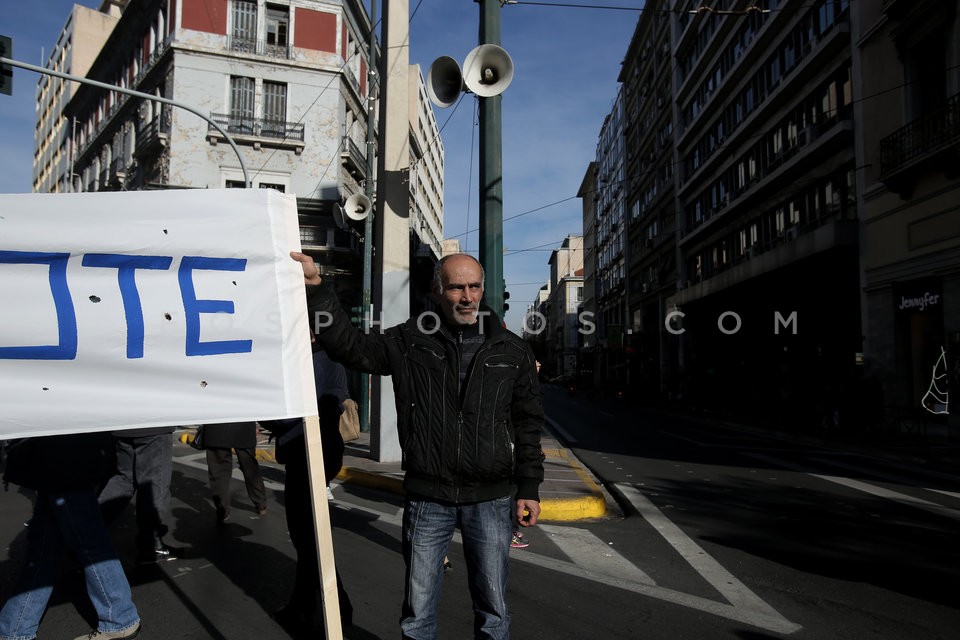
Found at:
<point>150,308</point>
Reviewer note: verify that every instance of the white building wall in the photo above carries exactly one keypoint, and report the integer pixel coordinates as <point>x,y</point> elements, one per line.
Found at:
<point>426,166</point>
<point>194,161</point>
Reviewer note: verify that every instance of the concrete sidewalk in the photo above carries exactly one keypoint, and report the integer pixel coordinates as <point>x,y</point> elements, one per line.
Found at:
<point>569,491</point>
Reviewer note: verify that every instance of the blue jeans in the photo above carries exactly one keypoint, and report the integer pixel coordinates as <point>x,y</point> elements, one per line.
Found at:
<point>428,528</point>
<point>68,520</point>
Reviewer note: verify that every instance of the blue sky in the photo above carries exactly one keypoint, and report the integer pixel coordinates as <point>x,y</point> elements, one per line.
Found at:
<point>566,58</point>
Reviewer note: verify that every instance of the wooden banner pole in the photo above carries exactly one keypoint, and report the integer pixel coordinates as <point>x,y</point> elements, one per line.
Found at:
<point>321,521</point>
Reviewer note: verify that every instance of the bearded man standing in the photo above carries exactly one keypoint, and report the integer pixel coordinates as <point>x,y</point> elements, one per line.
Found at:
<point>469,418</point>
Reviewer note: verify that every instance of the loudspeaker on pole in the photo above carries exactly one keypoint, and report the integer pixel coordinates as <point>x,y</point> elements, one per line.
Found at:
<point>339,217</point>
<point>444,81</point>
<point>357,207</point>
<point>487,70</point>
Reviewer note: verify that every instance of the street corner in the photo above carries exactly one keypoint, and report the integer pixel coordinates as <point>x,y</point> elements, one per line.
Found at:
<point>570,492</point>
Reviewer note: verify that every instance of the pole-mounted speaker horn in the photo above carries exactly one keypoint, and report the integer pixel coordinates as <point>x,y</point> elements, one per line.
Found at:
<point>357,207</point>
<point>340,217</point>
<point>444,81</point>
<point>487,70</point>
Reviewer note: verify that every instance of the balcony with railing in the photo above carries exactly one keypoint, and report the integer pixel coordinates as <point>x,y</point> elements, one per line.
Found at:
<point>259,47</point>
<point>258,131</point>
<point>930,141</point>
<point>118,171</point>
<point>352,81</point>
<point>154,135</point>
<point>354,160</point>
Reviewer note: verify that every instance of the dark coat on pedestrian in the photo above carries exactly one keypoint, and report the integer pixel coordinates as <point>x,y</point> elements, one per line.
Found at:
<point>457,447</point>
<point>230,435</point>
<point>61,463</point>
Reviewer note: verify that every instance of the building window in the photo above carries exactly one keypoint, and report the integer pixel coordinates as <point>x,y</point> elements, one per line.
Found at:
<point>278,22</point>
<point>274,109</point>
<point>240,184</point>
<point>925,70</point>
<point>241,105</point>
<point>245,21</point>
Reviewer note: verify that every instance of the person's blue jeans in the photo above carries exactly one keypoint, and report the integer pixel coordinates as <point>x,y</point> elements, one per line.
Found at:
<point>68,520</point>
<point>428,528</point>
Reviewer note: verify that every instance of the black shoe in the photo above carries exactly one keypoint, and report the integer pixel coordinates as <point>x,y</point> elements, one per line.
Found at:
<point>223,514</point>
<point>159,553</point>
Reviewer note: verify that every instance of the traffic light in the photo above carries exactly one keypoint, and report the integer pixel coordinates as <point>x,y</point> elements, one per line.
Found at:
<point>506,296</point>
<point>356,317</point>
<point>6,71</point>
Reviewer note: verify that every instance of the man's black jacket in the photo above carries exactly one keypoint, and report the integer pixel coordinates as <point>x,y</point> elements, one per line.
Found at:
<point>454,450</point>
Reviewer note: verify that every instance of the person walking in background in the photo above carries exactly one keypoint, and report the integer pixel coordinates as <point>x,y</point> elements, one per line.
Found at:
<point>218,440</point>
<point>144,469</point>
<point>469,418</point>
<point>65,472</point>
<point>303,614</point>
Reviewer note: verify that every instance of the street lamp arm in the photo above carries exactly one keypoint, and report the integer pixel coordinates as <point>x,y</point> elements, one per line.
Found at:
<point>138,94</point>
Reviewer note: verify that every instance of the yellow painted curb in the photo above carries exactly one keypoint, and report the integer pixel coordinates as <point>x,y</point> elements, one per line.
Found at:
<point>368,479</point>
<point>566,509</point>
<point>569,509</point>
<point>551,509</point>
<point>262,455</point>
<point>265,455</point>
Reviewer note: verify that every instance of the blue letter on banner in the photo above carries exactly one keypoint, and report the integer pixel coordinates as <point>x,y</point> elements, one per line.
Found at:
<point>126,267</point>
<point>193,308</point>
<point>66,317</point>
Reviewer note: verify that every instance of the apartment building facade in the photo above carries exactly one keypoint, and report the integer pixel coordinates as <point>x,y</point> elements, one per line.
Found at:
<point>646,77</point>
<point>426,192</point>
<point>562,308</point>
<point>908,136</point>
<point>610,266</point>
<point>589,341</point>
<point>287,80</point>
<point>80,41</point>
<point>766,317</point>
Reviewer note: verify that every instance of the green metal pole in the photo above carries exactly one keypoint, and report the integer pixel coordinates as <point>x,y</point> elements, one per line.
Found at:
<point>491,172</point>
<point>368,189</point>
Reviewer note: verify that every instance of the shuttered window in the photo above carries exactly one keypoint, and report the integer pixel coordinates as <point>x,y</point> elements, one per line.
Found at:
<point>274,108</point>
<point>245,20</point>
<point>241,104</point>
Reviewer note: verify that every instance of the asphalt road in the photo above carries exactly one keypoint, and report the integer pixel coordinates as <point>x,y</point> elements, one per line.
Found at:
<point>726,534</point>
<point>756,536</point>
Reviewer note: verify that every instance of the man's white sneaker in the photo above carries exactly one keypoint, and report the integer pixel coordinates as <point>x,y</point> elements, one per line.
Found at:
<point>125,634</point>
